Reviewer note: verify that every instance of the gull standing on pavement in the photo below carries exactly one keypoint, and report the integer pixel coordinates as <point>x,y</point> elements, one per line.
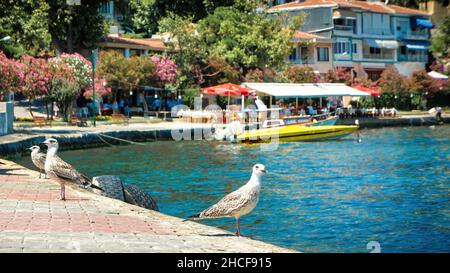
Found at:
<point>238,203</point>
<point>38,159</point>
<point>61,171</point>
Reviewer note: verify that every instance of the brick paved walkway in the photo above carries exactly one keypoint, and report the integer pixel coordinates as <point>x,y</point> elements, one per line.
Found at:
<point>33,220</point>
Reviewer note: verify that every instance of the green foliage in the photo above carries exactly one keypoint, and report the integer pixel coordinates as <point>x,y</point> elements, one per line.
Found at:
<point>63,92</point>
<point>38,25</point>
<point>122,73</point>
<point>440,41</point>
<point>226,45</point>
<point>148,13</point>
<point>27,24</point>
<point>247,40</point>
<point>301,74</point>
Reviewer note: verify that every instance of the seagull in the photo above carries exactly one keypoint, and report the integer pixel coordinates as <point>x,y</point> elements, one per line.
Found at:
<point>62,171</point>
<point>38,158</point>
<point>238,203</point>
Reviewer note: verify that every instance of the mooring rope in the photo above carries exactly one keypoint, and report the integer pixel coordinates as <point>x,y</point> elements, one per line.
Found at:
<point>105,141</point>
<point>119,139</point>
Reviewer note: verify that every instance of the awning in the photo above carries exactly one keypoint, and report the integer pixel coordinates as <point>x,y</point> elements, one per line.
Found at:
<point>424,23</point>
<point>305,90</point>
<point>437,75</point>
<point>416,45</point>
<point>389,44</point>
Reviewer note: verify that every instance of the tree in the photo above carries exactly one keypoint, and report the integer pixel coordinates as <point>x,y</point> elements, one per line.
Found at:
<point>440,40</point>
<point>36,25</point>
<point>394,89</point>
<point>228,43</point>
<point>148,13</point>
<point>34,78</point>
<point>64,89</point>
<point>9,71</point>
<point>423,86</point>
<point>301,74</point>
<point>247,40</point>
<point>136,72</point>
<point>27,24</point>
<point>339,75</point>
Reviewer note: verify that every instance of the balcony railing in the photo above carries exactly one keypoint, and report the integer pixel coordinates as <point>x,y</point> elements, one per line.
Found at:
<point>378,56</point>
<point>413,58</point>
<point>423,34</point>
<point>302,61</point>
<point>343,28</point>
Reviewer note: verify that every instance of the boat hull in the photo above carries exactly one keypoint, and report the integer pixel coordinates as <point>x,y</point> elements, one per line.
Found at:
<point>297,133</point>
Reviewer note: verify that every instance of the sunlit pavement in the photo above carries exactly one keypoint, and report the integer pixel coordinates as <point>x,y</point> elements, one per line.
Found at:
<point>33,220</point>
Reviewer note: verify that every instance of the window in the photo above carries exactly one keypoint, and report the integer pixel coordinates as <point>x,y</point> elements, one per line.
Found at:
<point>293,55</point>
<point>105,8</point>
<point>322,54</point>
<point>374,50</point>
<point>354,48</point>
<point>403,50</point>
<point>341,47</point>
<point>304,54</point>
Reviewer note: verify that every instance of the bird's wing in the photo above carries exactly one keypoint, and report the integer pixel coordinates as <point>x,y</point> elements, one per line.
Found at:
<point>65,171</point>
<point>41,157</point>
<point>227,205</point>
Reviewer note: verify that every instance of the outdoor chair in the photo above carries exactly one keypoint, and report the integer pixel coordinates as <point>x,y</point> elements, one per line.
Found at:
<point>42,121</point>
<point>78,121</point>
<point>120,118</point>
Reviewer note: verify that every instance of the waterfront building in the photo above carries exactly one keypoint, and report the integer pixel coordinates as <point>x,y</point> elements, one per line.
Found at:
<point>366,36</point>
<point>118,15</point>
<point>132,46</point>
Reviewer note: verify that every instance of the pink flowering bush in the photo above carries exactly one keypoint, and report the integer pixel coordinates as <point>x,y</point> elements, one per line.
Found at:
<point>166,69</point>
<point>34,78</point>
<point>9,75</point>
<point>101,89</point>
<point>81,70</point>
<point>339,75</point>
<point>79,66</point>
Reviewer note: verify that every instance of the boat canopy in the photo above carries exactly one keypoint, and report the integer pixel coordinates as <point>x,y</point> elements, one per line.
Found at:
<point>305,90</point>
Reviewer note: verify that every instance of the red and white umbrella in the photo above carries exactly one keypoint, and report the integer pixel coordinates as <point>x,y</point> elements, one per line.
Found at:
<point>228,89</point>
<point>371,91</point>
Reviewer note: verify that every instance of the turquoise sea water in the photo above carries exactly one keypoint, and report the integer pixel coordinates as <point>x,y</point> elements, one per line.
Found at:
<point>336,196</point>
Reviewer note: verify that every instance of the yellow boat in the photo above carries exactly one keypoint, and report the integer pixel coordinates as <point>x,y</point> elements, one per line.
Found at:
<point>297,133</point>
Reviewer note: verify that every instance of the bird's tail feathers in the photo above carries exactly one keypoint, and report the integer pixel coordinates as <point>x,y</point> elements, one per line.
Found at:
<point>192,217</point>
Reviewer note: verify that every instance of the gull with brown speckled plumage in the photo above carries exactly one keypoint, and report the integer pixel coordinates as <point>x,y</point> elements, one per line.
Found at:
<point>238,203</point>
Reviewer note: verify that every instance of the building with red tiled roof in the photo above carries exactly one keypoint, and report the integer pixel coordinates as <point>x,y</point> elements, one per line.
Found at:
<point>367,36</point>
<point>134,46</point>
<point>312,50</point>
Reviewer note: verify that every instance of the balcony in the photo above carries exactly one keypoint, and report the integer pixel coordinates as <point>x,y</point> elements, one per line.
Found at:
<point>344,28</point>
<point>382,56</point>
<point>414,35</point>
<point>413,58</point>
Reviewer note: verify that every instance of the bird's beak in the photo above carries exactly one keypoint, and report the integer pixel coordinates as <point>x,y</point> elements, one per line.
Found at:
<point>264,171</point>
